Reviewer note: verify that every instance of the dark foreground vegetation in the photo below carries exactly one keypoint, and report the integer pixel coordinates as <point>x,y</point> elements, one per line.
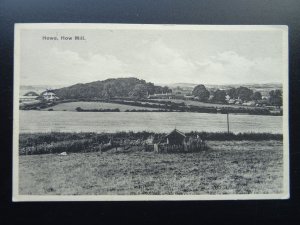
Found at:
<point>228,167</point>
<point>45,143</point>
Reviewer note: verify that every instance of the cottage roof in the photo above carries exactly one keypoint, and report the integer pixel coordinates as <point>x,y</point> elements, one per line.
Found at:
<point>176,131</point>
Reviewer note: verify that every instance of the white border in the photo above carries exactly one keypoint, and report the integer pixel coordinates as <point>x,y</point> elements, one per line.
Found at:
<point>21,198</point>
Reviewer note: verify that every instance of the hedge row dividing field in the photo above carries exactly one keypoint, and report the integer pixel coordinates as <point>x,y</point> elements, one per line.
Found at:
<point>55,142</point>
<point>148,105</point>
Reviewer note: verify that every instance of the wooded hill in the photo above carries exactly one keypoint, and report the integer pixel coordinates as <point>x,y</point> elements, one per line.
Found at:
<point>110,88</point>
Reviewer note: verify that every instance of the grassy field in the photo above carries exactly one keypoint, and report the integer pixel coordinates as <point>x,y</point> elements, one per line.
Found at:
<point>207,104</point>
<point>228,167</point>
<point>71,106</point>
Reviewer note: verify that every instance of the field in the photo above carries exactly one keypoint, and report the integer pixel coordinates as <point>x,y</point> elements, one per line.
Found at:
<point>71,106</point>
<point>227,167</point>
<point>32,121</point>
<point>206,104</point>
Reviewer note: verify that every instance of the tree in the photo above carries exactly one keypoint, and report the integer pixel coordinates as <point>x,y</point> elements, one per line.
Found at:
<point>201,92</point>
<point>150,88</point>
<point>244,93</point>
<point>275,98</point>
<point>219,96</point>
<point>256,96</point>
<point>109,90</point>
<point>164,90</point>
<point>232,93</point>
<point>139,91</point>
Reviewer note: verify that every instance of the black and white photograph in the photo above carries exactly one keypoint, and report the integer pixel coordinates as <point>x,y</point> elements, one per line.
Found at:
<point>106,112</point>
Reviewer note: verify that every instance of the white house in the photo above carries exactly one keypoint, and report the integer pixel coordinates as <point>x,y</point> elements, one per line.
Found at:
<point>49,96</point>
<point>29,97</point>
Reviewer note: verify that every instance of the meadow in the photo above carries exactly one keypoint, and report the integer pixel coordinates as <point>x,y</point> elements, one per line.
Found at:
<point>71,106</point>
<point>205,104</point>
<point>227,167</point>
<point>32,121</point>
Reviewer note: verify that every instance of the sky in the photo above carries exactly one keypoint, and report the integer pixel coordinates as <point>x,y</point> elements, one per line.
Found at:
<point>158,56</point>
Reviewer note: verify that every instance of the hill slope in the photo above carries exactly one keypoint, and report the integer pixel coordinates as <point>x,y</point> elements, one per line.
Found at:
<point>119,87</point>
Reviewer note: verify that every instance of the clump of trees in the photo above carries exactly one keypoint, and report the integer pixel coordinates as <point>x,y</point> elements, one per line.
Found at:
<point>111,88</point>
<point>201,93</point>
<point>139,91</point>
<point>256,96</point>
<point>275,97</point>
<point>243,93</point>
<point>219,96</point>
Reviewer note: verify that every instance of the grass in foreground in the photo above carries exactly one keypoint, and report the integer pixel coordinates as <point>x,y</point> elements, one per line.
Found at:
<point>229,167</point>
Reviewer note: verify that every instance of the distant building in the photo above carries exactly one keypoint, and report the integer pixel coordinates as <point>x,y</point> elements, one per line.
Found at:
<point>211,97</point>
<point>227,98</point>
<point>167,96</point>
<point>189,97</point>
<point>49,96</point>
<point>161,96</point>
<point>238,102</point>
<point>29,97</point>
<point>231,101</point>
<point>250,103</point>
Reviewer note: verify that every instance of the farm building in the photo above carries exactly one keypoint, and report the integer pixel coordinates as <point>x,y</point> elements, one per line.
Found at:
<point>177,141</point>
<point>175,138</point>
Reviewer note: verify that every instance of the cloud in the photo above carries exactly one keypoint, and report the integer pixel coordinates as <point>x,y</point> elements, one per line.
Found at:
<point>230,67</point>
<point>68,67</point>
<point>162,64</point>
<point>152,61</point>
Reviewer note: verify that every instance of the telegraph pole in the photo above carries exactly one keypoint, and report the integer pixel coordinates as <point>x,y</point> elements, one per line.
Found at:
<point>227,122</point>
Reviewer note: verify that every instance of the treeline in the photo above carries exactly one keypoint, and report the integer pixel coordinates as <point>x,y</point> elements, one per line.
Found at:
<point>182,107</point>
<point>152,104</point>
<point>79,109</point>
<point>55,142</point>
<point>110,88</point>
<point>37,106</point>
<point>147,110</point>
<point>241,93</point>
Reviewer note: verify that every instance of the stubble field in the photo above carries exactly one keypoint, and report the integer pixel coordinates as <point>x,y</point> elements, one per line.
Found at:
<point>228,167</point>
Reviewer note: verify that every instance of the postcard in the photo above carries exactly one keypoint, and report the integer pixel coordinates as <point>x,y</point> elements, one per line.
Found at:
<point>134,112</point>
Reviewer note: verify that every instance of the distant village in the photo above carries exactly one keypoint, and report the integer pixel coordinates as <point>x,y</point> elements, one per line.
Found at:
<point>227,99</point>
